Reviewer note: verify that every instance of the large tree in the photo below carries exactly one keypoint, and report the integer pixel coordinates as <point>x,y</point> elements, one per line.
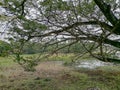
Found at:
<point>89,22</point>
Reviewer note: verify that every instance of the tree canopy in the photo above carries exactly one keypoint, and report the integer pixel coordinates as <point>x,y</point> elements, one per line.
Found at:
<point>52,22</point>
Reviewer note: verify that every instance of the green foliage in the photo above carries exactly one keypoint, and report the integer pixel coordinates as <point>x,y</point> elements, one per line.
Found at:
<point>1,3</point>
<point>35,47</point>
<point>32,25</point>
<point>32,48</point>
<point>55,5</point>
<point>87,7</point>
<point>4,18</point>
<point>14,6</point>
<point>4,48</point>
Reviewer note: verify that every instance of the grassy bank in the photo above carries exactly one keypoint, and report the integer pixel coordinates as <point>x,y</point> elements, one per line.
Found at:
<point>50,75</point>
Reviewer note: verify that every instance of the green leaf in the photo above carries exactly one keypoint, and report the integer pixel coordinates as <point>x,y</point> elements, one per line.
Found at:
<point>32,25</point>
<point>1,3</point>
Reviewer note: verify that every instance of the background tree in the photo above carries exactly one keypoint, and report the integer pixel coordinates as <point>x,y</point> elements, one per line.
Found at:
<point>56,21</point>
<point>5,48</point>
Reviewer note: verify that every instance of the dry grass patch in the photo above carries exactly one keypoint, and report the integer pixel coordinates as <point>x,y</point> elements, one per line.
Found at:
<point>51,69</point>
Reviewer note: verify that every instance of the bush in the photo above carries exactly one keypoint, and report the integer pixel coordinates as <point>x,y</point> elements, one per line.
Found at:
<point>4,48</point>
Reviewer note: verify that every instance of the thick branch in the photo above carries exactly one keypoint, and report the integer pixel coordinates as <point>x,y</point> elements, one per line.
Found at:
<point>106,59</point>
<point>98,39</point>
<point>106,9</point>
<point>106,41</point>
<point>22,5</point>
<point>104,25</point>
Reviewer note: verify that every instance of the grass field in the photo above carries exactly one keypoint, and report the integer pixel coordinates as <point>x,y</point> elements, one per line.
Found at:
<point>51,74</point>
